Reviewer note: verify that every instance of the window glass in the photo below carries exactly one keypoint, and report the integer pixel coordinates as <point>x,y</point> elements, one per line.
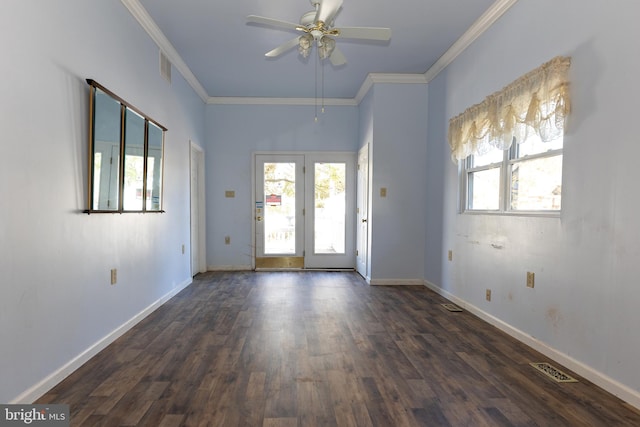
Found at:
<point>537,184</point>
<point>484,189</point>
<point>534,145</point>
<point>493,156</point>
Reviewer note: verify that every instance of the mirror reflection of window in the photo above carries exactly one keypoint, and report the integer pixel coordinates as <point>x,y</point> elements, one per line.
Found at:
<point>133,162</point>
<point>154,168</point>
<point>106,152</point>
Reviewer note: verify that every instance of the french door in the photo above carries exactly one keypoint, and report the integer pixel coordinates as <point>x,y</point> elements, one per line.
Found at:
<point>304,210</point>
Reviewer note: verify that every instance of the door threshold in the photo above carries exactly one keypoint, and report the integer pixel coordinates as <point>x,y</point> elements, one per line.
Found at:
<point>338,270</point>
<point>280,262</point>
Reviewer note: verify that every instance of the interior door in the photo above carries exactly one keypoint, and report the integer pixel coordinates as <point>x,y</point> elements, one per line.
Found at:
<point>362,213</point>
<point>279,211</point>
<point>198,246</point>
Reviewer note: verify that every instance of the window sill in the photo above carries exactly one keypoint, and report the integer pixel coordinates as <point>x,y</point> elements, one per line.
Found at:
<point>91,211</point>
<point>535,214</point>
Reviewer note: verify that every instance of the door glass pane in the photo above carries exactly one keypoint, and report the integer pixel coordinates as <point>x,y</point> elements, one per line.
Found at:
<point>330,208</point>
<point>280,208</point>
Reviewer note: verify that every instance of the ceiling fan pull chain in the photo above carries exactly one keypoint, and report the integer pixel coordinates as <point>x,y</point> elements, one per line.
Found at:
<point>316,89</point>
<point>322,85</point>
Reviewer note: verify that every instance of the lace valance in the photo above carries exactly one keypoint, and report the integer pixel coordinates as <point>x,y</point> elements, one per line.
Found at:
<point>536,102</point>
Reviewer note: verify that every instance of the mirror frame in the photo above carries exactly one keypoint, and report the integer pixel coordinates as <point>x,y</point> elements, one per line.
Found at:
<point>151,193</point>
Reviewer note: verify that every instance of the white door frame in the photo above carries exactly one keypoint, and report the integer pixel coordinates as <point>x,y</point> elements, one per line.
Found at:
<point>198,209</point>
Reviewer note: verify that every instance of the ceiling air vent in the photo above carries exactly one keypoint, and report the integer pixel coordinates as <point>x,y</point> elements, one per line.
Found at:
<point>165,67</point>
<point>554,373</point>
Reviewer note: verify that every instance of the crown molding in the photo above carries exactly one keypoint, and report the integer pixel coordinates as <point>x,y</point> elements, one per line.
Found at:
<point>237,100</point>
<point>373,78</point>
<point>481,25</point>
<point>148,24</point>
<point>369,81</point>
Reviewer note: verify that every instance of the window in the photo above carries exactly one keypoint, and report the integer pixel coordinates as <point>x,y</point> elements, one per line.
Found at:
<point>525,178</point>
<point>509,146</point>
<point>125,165</point>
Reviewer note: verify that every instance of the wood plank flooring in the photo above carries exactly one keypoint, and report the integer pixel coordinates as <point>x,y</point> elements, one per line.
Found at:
<point>322,349</point>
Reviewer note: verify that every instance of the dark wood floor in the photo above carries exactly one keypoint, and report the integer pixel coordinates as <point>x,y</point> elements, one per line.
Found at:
<point>320,348</point>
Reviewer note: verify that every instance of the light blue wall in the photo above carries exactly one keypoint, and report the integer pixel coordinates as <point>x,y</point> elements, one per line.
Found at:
<point>234,133</point>
<point>56,299</point>
<point>438,159</point>
<point>398,156</point>
<point>584,304</point>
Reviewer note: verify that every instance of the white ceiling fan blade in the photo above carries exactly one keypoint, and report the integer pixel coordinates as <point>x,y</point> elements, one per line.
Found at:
<point>337,58</point>
<point>328,10</point>
<point>365,33</point>
<point>282,48</point>
<point>272,22</point>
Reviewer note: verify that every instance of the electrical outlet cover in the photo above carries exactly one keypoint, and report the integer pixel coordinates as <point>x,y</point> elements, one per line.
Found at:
<point>531,279</point>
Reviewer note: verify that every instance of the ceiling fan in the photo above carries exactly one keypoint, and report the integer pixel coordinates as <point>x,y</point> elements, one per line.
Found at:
<point>318,28</point>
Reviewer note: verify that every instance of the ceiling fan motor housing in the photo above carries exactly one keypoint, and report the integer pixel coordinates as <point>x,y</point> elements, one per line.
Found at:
<point>308,18</point>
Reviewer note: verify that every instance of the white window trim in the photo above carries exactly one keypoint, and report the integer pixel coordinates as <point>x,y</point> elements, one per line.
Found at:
<point>504,203</point>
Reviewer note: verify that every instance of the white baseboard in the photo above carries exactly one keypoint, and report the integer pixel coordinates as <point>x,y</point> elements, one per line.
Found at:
<point>614,387</point>
<point>396,282</point>
<point>37,390</point>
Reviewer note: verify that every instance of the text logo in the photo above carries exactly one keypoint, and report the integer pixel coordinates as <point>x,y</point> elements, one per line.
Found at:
<point>34,415</point>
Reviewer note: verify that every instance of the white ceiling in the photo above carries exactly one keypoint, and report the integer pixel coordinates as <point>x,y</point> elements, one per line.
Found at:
<point>226,54</point>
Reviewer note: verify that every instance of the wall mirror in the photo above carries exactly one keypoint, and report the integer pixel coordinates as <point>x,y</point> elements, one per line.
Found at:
<point>125,156</point>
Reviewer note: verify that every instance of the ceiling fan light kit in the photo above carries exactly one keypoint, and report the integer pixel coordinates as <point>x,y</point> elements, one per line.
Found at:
<point>305,42</point>
<point>326,45</point>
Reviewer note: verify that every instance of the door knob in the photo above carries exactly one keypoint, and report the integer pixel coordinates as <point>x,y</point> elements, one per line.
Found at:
<point>364,220</point>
